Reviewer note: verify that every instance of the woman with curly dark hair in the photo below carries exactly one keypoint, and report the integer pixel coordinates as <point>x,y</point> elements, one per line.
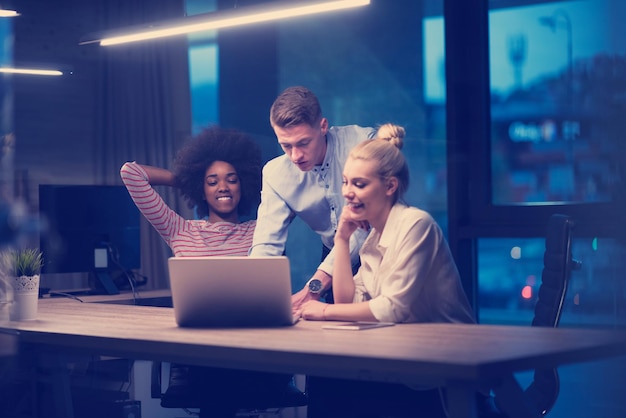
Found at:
<point>215,144</point>
<point>218,172</point>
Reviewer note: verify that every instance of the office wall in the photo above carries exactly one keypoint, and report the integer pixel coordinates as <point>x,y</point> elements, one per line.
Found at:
<point>57,119</point>
<point>54,117</point>
<point>65,126</point>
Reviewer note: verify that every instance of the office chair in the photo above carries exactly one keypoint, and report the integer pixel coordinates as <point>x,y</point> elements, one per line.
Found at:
<point>248,403</point>
<point>558,265</point>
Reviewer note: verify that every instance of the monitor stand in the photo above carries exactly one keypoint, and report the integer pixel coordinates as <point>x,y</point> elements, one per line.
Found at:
<point>104,279</point>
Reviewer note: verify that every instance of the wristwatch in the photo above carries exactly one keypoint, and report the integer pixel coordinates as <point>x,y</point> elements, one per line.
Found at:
<point>315,286</point>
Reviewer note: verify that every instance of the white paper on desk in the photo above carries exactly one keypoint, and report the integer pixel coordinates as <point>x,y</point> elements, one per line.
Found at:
<point>358,325</point>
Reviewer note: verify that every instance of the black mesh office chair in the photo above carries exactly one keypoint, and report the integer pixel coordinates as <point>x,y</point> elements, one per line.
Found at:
<point>558,265</point>
<point>242,403</point>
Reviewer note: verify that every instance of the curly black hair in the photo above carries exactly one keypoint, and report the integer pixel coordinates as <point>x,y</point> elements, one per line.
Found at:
<point>219,144</point>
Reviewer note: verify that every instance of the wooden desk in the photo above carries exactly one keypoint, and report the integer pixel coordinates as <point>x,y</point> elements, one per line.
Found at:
<point>460,357</point>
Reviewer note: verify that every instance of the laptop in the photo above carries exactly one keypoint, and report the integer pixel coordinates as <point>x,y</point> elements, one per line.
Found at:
<point>231,291</point>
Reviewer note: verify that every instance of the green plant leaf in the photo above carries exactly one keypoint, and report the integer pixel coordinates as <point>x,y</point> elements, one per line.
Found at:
<point>22,262</point>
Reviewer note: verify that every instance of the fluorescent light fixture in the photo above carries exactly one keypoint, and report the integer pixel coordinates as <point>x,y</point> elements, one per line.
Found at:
<point>8,13</point>
<point>29,71</point>
<point>227,18</point>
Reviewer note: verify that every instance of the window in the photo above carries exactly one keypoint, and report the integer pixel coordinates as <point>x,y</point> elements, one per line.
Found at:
<point>203,70</point>
<point>555,77</point>
<point>540,143</point>
<point>510,275</point>
<point>555,73</point>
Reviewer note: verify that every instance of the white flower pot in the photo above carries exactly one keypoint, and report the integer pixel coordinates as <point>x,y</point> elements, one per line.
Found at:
<point>25,298</point>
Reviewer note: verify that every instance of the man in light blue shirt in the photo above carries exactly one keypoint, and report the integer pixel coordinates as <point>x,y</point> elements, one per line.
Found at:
<point>305,182</point>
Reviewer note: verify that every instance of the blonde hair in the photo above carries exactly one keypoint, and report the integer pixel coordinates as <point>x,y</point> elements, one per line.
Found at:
<point>392,133</point>
<point>385,150</point>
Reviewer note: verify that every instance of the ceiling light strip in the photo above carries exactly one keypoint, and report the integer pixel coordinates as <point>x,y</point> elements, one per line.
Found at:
<point>211,21</point>
<point>8,13</point>
<point>30,71</point>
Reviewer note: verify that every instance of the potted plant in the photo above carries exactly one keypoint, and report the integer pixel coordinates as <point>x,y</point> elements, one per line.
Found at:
<point>23,262</point>
<point>21,268</point>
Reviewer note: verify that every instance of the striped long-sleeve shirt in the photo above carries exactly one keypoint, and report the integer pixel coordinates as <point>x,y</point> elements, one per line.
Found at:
<point>185,237</point>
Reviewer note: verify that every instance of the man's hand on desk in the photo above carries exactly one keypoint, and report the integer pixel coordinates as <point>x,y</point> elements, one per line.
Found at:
<point>297,299</point>
<point>305,294</point>
<point>300,298</point>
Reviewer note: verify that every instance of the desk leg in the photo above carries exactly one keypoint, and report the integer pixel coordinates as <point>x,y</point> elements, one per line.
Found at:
<point>461,400</point>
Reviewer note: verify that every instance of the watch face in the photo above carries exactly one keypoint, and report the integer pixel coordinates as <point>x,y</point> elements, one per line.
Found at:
<point>315,286</point>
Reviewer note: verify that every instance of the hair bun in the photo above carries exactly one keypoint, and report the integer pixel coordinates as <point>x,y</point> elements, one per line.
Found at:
<point>392,133</point>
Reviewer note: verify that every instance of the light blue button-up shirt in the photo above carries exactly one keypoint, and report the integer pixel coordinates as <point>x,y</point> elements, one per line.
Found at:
<point>315,196</point>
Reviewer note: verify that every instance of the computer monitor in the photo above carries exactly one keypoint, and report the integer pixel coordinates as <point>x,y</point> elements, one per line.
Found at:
<point>89,228</point>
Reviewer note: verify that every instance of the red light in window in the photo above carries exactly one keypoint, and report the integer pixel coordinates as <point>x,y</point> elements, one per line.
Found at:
<point>527,292</point>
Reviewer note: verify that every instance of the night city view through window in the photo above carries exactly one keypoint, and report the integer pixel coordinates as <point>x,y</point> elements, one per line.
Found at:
<point>558,82</point>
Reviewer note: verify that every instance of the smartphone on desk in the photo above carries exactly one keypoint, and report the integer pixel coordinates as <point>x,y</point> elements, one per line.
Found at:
<point>358,325</point>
